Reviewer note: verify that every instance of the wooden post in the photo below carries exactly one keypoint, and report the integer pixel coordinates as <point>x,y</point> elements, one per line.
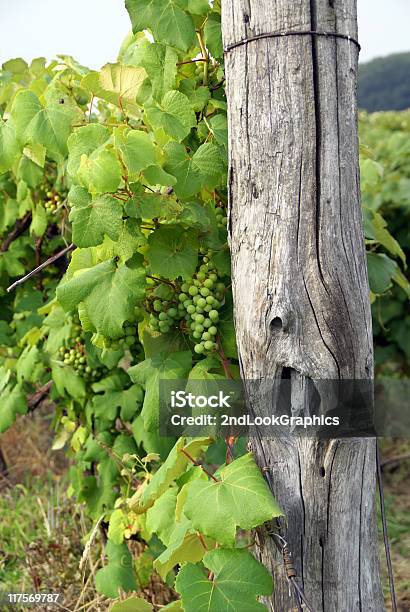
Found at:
<point>300,280</point>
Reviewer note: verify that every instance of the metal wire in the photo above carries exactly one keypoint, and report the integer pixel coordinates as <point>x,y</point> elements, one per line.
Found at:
<point>284,34</point>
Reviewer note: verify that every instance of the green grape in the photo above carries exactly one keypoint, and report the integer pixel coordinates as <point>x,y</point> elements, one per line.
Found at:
<point>209,345</point>
<point>214,315</point>
<point>172,312</point>
<point>206,336</point>
<point>199,348</point>
<point>213,277</point>
<point>191,309</point>
<point>199,318</point>
<point>187,303</point>
<point>163,316</point>
<point>201,302</point>
<point>185,288</point>
<point>204,291</point>
<point>208,283</point>
<point>208,308</point>
<point>212,330</point>
<point>210,299</point>
<point>157,305</point>
<point>201,276</point>
<point>196,335</point>
<point>207,322</point>
<point>199,327</point>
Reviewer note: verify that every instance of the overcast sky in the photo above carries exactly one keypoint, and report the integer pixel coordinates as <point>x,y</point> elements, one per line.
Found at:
<point>92,30</point>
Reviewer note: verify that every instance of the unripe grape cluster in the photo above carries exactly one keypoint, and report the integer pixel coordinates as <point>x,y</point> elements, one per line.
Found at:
<point>73,354</point>
<point>221,218</point>
<point>52,202</point>
<point>130,338</point>
<point>165,314</point>
<point>194,309</point>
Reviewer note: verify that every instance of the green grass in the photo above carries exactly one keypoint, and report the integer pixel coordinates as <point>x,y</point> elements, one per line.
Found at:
<point>41,539</point>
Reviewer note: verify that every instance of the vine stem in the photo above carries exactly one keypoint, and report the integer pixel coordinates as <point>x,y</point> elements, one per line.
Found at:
<point>201,539</point>
<point>205,56</point>
<point>19,228</point>
<point>48,262</point>
<point>192,61</point>
<point>195,462</point>
<point>160,280</point>
<point>224,360</point>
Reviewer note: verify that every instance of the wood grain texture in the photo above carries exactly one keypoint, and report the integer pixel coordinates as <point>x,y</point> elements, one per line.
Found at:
<point>300,280</point>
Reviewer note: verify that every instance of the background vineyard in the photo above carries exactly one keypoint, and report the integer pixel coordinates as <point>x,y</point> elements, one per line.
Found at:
<point>129,165</point>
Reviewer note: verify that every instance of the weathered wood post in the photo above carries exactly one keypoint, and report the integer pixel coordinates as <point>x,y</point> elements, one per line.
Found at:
<point>299,276</point>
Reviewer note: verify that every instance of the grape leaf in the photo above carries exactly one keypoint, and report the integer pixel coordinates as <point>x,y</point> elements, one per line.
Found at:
<point>51,127</point>
<point>161,516</point>
<point>155,175</point>
<point>84,141</point>
<point>213,36</point>
<point>241,498</point>
<point>205,167</point>
<point>209,163</point>
<point>128,400</point>
<point>174,115</point>
<point>167,21</point>
<point>148,373</point>
<point>199,7</point>
<point>153,206</point>
<point>237,580</point>
<point>67,382</point>
<point>172,252</point>
<point>381,271</point>
<point>97,218</point>
<point>184,546</point>
<point>117,84</point>
<point>101,172</point>
<point>35,153</point>
<point>132,604</point>
<point>138,151</point>
<point>219,127</point>
<point>160,63</point>
<point>8,146</point>
<point>109,294</point>
<point>25,106</point>
<point>13,403</point>
<point>174,465</point>
<point>118,573</point>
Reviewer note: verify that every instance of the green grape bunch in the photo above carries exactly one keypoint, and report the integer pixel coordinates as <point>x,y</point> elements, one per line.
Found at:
<point>165,314</point>
<point>221,218</point>
<point>53,201</point>
<point>74,354</point>
<point>194,309</point>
